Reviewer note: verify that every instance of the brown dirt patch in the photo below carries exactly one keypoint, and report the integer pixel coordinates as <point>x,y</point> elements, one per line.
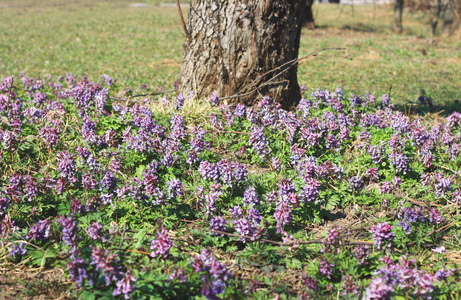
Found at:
<point>19,282</point>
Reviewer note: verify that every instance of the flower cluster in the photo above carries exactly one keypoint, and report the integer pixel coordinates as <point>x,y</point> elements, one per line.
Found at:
<point>162,244</point>
<point>214,274</point>
<point>382,232</point>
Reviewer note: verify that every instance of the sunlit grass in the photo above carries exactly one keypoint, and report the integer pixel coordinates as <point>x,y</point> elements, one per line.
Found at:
<point>143,45</point>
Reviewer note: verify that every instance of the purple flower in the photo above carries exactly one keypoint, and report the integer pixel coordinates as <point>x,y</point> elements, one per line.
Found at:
<point>40,231</point>
<point>175,188</point>
<point>69,231</point>
<point>214,274</point>
<point>78,271</point>
<point>88,131</point>
<point>95,231</point>
<point>326,269</point>
<point>400,161</point>
<point>4,204</point>
<point>250,196</point>
<point>179,102</point>
<point>372,174</point>
<point>311,190</point>
<point>50,135</point>
<point>442,274</point>
<point>287,201</point>
<point>88,181</point>
<point>356,183</point>
<point>362,254</point>
<point>376,152</point>
<point>378,289</point>
<point>123,286</point>
<point>259,142</point>
<point>441,185</point>
<point>435,217</point>
<point>162,244</point>
<point>209,170</point>
<point>218,223</point>
<point>439,250</point>
<point>75,206</point>
<point>108,182</point>
<point>214,100</point>
<point>333,236</point>
<point>178,274</point>
<point>386,187</point>
<point>108,264</point>
<point>67,165</point>
<point>382,232</point>
<point>9,139</point>
<point>454,120</point>
<point>240,110</point>
<point>309,281</point>
<point>17,250</point>
<point>107,79</point>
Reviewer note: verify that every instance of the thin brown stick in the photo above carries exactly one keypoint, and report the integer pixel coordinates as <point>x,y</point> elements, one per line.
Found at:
<point>284,67</point>
<point>186,32</point>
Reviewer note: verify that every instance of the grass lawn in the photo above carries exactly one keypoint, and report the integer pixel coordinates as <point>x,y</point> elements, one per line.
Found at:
<point>143,45</point>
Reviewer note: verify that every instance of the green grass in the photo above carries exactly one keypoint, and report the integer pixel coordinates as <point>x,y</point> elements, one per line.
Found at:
<point>144,45</point>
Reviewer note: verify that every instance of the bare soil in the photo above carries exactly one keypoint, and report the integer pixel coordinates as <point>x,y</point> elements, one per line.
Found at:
<point>33,283</point>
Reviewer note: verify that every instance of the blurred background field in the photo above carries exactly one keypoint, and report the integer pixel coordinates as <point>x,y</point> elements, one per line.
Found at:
<point>141,43</point>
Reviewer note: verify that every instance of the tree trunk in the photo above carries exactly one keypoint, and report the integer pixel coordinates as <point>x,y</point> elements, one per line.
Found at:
<point>243,47</point>
<point>435,17</point>
<point>448,21</point>
<point>398,11</point>
<point>308,18</point>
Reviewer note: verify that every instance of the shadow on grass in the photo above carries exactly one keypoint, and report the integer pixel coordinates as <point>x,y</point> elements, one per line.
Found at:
<point>358,27</point>
<point>426,109</point>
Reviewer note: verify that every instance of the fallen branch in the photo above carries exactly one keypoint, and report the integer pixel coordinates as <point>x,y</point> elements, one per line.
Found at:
<point>284,67</point>
<point>186,32</point>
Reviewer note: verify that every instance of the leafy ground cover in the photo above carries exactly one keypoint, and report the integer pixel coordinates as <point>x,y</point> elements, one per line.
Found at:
<point>344,197</point>
<point>143,46</point>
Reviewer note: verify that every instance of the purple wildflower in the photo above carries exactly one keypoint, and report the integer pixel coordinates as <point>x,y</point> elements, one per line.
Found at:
<point>435,217</point>
<point>311,190</point>
<point>362,254</point>
<point>107,79</point>
<point>95,231</point>
<point>69,231</point>
<point>378,289</point>
<point>77,268</point>
<point>179,102</point>
<point>382,232</point>
<point>214,274</point>
<point>178,274</point>
<point>40,231</point>
<point>250,196</point>
<point>309,281</point>
<point>259,142</point>
<point>162,244</point>
<point>4,204</point>
<point>326,269</point>
<point>17,250</point>
<point>175,188</point>
<point>356,183</point>
<point>123,286</point>
<point>218,223</point>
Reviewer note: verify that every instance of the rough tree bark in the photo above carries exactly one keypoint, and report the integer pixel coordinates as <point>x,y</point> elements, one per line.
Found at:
<point>448,21</point>
<point>243,47</point>
<point>436,16</point>
<point>308,18</point>
<point>398,11</point>
<point>452,20</point>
